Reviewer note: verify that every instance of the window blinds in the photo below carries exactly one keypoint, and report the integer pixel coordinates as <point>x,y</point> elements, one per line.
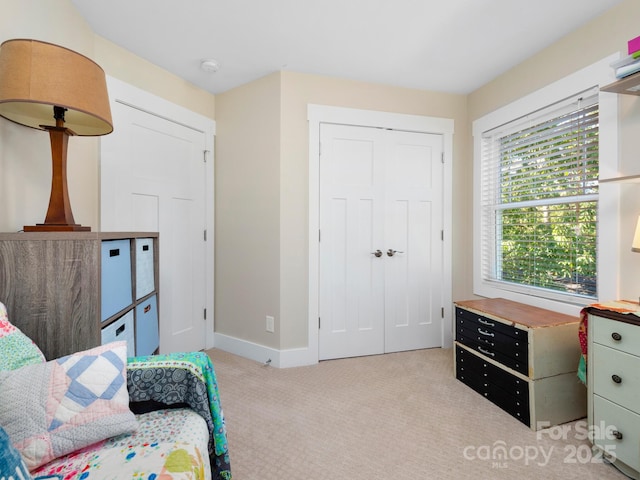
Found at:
<point>539,200</point>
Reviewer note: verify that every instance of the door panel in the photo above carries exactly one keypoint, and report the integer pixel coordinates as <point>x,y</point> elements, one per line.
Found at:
<point>145,212</point>
<point>389,188</point>
<point>351,284</point>
<point>413,189</point>
<point>153,178</point>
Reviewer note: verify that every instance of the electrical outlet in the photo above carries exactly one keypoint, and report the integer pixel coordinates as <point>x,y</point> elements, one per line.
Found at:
<point>271,324</point>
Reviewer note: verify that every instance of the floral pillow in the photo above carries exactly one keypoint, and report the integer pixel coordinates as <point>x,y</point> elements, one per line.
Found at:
<point>54,408</point>
<point>16,349</point>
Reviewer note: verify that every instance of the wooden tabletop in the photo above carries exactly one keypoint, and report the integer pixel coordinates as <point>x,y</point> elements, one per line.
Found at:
<point>631,318</point>
<point>17,236</point>
<point>516,312</point>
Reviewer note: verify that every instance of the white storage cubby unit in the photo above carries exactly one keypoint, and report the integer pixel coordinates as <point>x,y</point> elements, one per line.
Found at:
<point>129,293</point>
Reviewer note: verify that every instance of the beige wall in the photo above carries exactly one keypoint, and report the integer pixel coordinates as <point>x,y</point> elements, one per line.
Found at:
<point>596,40</point>
<point>248,211</point>
<point>126,66</point>
<point>247,128</point>
<point>25,158</point>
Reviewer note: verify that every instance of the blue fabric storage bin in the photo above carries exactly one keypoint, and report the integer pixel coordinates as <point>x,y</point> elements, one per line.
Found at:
<point>145,275</point>
<point>147,334</point>
<point>121,329</point>
<point>116,277</point>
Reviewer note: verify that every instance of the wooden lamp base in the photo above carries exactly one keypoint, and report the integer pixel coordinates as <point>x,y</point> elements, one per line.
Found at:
<point>47,227</point>
<point>59,215</point>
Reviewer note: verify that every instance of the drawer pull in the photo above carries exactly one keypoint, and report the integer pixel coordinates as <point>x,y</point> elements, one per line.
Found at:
<point>114,252</point>
<point>486,342</point>
<point>120,330</point>
<point>491,354</point>
<point>616,378</point>
<point>484,332</point>
<point>616,336</point>
<point>486,322</point>
<point>617,434</point>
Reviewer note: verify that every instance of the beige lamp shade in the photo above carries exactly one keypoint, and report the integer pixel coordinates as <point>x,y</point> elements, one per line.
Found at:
<point>35,76</point>
<point>635,246</point>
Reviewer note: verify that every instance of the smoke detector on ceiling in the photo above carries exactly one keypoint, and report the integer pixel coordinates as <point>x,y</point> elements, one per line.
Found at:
<point>209,66</point>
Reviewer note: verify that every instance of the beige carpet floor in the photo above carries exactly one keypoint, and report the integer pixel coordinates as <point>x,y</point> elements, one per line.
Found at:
<point>397,416</point>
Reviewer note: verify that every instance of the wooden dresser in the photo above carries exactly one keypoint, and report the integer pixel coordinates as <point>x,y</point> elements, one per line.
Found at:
<point>522,358</point>
<point>613,374</point>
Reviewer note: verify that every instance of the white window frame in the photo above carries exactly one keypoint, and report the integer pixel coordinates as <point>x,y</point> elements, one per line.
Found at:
<point>595,75</point>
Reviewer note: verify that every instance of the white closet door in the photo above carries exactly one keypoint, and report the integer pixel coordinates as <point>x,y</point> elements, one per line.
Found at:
<point>380,248</point>
<point>413,224</point>
<point>351,275</point>
<point>153,179</point>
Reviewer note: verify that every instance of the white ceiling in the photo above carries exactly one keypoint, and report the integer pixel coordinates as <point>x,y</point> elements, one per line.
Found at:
<point>442,45</point>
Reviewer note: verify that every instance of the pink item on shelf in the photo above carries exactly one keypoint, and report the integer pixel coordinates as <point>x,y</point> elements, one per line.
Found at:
<point>633,45</point>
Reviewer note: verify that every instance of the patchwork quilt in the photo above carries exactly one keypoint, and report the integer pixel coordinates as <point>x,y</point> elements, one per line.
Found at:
<point>184,379</point>
<point>74,416</point>
<point>167,445</point>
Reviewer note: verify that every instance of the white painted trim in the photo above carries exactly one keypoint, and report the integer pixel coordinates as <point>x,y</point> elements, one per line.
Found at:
<point>447,251</point>
<point>296,357</point>
<point>597,74</point>
<point>210,247</point>
<point>135,97</point>
<point>317,114</point>
<point>146,101</point>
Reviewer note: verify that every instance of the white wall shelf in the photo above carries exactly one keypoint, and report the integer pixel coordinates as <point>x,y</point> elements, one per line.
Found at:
<point>627,85</point>
<point>622,179</point>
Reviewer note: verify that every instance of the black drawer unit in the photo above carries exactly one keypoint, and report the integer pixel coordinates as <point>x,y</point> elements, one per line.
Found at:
<point>498,386</point>
<point>501,342</point>
<point>477,320</point>
<point>520,357</point>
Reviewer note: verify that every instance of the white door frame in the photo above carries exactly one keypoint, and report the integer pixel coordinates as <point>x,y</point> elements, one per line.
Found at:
<point>134,97</point>
<point>317,114</point>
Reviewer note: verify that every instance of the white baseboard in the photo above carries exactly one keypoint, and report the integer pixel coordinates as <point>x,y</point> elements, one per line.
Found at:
<point>295,357</point>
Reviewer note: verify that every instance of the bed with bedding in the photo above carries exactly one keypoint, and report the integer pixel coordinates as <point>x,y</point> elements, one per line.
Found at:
<point>99,415</point>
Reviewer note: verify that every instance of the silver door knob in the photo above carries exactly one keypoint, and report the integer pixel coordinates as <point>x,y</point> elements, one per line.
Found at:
<point>377,253</point>
<point>391,252</point>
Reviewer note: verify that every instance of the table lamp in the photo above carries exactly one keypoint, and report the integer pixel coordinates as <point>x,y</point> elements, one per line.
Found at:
<point>52,88</point>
